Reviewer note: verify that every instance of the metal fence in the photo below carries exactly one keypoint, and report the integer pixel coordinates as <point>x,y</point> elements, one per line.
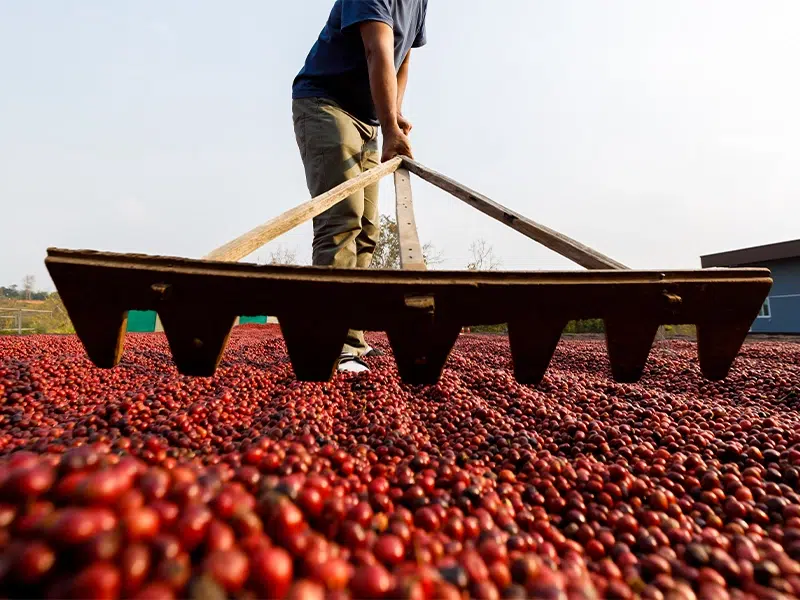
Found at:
<point>17,316</point>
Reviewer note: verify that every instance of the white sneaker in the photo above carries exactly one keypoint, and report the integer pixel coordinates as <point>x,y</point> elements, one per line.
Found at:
<point>371,352</point>
<point>351,364</point>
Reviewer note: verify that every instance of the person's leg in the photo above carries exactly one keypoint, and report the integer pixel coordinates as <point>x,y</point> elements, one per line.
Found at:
<point>330,142</point>
<point>330,146</point>
<point>367,240</point>
<point>370,224</point>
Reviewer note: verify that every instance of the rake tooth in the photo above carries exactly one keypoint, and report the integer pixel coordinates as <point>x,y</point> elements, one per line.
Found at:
<point>196,337</point>
<point>102,333</point>
<point>533,342</point>
<point>629,342</point>
<point>314,345</point>
<point>718,344</point>
<point>99,324</point>
<point>421,349</point>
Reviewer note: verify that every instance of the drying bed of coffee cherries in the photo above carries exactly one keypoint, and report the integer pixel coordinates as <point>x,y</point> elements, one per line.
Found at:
<point>138,482</point>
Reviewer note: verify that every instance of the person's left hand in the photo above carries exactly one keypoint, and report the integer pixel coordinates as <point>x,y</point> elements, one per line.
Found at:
<point>404,124</point>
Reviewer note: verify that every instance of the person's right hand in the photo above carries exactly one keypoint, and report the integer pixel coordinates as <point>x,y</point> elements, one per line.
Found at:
<point>395,143</point>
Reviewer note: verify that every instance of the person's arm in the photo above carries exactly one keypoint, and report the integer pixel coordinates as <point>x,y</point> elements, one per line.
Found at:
<point>402,80</point>
<point>378,39</point>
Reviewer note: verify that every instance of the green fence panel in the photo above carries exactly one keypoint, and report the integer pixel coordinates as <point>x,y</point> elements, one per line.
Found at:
<point>144,321</point>
<point>141,321</point>
<point>261,320</point>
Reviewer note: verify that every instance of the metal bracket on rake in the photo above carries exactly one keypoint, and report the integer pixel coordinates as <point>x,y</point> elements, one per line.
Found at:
<point>422,311</point>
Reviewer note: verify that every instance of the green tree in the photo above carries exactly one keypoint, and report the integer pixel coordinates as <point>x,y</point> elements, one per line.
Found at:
<point>10,292</point>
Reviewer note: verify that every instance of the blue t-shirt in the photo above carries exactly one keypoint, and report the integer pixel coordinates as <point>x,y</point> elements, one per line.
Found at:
<point>336,66</point>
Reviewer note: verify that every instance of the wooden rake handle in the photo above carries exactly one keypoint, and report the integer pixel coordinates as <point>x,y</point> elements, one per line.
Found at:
<point>558,242</point>
<point>255,238</point>
<point>411,257</point>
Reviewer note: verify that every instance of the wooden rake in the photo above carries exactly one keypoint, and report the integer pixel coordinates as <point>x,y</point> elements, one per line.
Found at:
<point>421,311</point>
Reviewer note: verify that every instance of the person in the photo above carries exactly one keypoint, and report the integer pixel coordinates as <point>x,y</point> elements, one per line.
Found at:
<point>353,81</point>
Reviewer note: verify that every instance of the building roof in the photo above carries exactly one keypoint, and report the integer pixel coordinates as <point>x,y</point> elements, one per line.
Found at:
<point>751,256</point>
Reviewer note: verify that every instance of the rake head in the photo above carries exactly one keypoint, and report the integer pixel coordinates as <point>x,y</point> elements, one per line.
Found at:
<point>421,311</point>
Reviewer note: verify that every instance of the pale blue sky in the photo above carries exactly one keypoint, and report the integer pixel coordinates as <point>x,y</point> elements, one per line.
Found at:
<point>655,131</point>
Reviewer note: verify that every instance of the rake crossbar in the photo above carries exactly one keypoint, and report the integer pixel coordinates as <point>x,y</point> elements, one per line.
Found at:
<point>198,301</point>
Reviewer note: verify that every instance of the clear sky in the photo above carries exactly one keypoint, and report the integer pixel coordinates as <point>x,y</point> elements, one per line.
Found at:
<point>655,131</point>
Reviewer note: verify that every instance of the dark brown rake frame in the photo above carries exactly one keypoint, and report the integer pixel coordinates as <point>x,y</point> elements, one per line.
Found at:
<point>421,311</point>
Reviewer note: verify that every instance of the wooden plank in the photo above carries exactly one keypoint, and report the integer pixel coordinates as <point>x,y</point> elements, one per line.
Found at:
<point>253,240</point>
<point>563,245</point>
<point>176,265</point>
<point>723,303</point>
<point>411,258</point>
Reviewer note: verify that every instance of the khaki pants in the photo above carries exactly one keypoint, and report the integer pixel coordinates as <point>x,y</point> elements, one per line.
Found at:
<point>335,146</point>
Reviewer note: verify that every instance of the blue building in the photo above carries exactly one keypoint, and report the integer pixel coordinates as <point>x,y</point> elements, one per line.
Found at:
<point>781,310</point>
